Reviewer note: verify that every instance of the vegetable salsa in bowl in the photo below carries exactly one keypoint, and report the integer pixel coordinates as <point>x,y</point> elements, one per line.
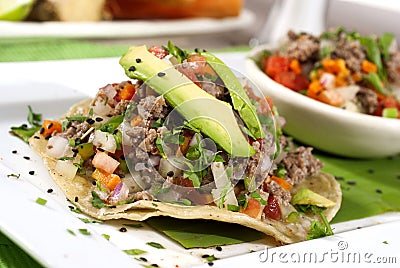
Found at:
<point>334,90</point>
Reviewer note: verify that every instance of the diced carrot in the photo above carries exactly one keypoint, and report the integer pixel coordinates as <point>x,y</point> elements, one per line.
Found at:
<point>357,77</point>
<point>105,162</point>
<point>136,121</point>
<point>107,179</point>
<point>283,183</point>
<point>314,89</point>
<point>295,66</point>
<point>253,208</point>
<point>331,97</point>
<point>334,66</point>
<point>127,92</point>
<point>50,126</point>
<point>368,67</point>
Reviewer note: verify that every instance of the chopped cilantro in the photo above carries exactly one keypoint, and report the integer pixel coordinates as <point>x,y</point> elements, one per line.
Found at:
<point>96,201</point>
<point>34,119</point>
<point>211,258</point>
<point>134,251</point>
<point>158,123</point>
<point>41,201</point>
<point>233,208</point>
<point>78,117</point>
<point>84,231</point>
<point>317,229</point>
<point>71,232</point>
<point>257,196</point>
<point>106,236</point>
<point>155,245</point>
<point>111,125</point>
<point>86,220</point>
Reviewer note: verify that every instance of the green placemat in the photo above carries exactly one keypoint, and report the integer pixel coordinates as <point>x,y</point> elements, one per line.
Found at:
<point>55,49</point>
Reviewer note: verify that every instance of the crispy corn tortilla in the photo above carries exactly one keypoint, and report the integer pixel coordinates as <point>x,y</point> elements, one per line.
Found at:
<point>321,183</point>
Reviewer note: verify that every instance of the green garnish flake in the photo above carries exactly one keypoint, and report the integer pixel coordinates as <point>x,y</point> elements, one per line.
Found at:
<point>96,201</point>
<point>134,251</point>
<point>154,204</point>
<point>133,225</point>
<point>71,232</point>
<point>84,231</point>
<point>233,208</point>
<point>317,229</point>
<point>106,236</point>
<point>155,245</point>
<point>14,175</point>
<point>23,131</point>
<point>78,117</point>
<point>86,220</point>
<point>385,242</point>
<point>41,201</point>
<point>211,258</point>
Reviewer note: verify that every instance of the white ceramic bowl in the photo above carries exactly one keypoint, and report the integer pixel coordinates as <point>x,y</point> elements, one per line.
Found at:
<point>325,127</point>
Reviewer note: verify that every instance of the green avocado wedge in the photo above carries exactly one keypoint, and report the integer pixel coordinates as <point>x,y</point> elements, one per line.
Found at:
<point>241,102</point>
<point>203,111</point>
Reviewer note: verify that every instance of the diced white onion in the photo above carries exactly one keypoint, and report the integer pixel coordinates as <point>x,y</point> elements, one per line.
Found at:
<point>348,92</point>
<point>222,182</point>
<point>120,193</point>
<point>57,147</point>
<point>327,80</point>
<point>105,141</point>
<point>101,108</point>
<point>66,168</point>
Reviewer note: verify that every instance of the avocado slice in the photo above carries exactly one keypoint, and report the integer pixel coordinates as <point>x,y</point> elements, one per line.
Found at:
<point>241,102</point>
<point>191,101</point>
<point>307,197</point>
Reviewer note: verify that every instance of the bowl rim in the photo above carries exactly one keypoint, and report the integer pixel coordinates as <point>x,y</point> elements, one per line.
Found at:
<point>305,101</point>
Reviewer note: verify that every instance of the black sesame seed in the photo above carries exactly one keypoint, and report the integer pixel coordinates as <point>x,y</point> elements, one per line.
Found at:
<point>351,183</point>
<point>138,60</point>
<point>155,265</point>
<point>371,171</point>
<point>204,50</point>
<point>47,137</point>
<point>27,157</point>
<point>143,259</point>
<point>78,141</point>
<point>100,149</point>
<point>218,248</point>
<point>36,137</point>
<point>132,69</point>
<point>71,207</point>
<point>379,191</point>
<point>76,199</point>
<point>122,157</point>
<point>170,173</point>
<point>50,126</point>
<point>90,121</point>
<point>49,190</point>
<point>210,263</point>
<point>161,74</point>
<point>121,175</point>
<point>205,256</point>
<point>94,182</point>
<point>123,229</point>
<point>196,50</point>
<point>339,178</point>
<point>75,150</point>
<point>99,119</point>
<point>31,172</point>
<point>24,125</point>
<point>41,130</point>
<point>112,206</point>
<point>14,151</point>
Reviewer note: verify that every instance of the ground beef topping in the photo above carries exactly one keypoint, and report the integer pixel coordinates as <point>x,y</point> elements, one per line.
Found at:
<point>303,47</point>
<point>368,99</point>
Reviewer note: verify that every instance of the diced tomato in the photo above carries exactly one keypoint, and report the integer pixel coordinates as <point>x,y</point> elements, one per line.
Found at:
<point>185,182</point>
<point>108,180</point>
<point>202,66</point>
<point>253,208</point>
<point>274,65</point>
<point>190,73</point>
<point>386,102</point>
<point>105,162</point>
<point>272,210</point>
<point>158,51</point>
<point>127,92</point>
<point>50,126</point>
<point>297,82</point>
